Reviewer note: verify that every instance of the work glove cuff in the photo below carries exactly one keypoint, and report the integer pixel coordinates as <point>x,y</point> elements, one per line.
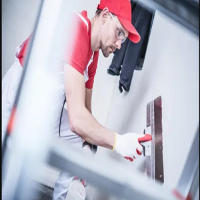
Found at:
<point>116,146</point>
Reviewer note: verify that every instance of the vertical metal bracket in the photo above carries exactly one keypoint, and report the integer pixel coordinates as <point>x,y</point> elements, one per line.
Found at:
<point>147,145</point>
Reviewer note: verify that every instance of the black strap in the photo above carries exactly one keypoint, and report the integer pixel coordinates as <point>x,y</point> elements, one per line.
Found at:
<point>92,147</point>
<point>61,116</point>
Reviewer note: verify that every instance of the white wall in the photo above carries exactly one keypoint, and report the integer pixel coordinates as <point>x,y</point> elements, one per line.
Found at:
<point>171,69</point>
<point>18,18</point>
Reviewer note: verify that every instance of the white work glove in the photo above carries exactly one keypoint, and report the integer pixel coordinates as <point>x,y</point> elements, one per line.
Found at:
<point>128,145</point>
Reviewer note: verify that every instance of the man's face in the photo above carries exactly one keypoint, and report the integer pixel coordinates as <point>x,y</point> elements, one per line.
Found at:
<point>112,35</point>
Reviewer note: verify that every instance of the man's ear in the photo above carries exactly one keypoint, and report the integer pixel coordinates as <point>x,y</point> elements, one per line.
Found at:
<point>105,14</point>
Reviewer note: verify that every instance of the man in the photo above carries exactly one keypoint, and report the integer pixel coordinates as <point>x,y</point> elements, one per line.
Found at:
<point>106,31</point>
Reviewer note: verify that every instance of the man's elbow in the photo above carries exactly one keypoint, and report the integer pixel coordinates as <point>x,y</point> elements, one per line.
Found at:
<point>73,126</point>
<point>76,120</point>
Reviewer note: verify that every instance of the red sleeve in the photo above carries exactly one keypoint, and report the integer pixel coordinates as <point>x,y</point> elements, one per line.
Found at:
<point>76,53</point>
<point>22,53</point>
<point>92,71</point>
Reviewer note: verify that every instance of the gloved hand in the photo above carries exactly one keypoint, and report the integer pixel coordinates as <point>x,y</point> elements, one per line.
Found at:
<point>128,145</point>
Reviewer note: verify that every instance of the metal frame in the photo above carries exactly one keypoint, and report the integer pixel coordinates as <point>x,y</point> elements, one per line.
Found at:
<point>106,175</point>
<point>189,181</point>
<point>6,138</point>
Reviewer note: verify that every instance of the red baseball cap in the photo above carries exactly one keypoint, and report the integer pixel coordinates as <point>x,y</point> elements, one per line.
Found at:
<point>122,9</point>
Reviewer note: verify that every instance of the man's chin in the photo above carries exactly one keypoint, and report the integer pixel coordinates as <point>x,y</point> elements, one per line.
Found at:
<point>106,54</point>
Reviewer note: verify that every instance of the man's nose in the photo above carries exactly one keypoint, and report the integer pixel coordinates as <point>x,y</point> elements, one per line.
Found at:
<point>118,44</point>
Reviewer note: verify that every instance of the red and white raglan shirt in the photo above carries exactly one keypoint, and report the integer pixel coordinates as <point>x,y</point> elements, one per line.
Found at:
<point>79,54</point>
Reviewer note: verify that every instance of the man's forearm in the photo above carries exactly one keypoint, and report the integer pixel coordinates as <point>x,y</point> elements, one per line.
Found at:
<point>81,120</point>
<point>86,126</point>
<point>88,105</point>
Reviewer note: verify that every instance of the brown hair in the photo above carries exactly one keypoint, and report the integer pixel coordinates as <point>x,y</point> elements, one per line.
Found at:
<point>98,12</point>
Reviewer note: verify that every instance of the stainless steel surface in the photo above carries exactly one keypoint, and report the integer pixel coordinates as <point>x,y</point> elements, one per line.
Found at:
<point>195,185</point>
<point>147,145</point>
<point>150,162</point>
<point>189,180</point>
<point>108,176</point>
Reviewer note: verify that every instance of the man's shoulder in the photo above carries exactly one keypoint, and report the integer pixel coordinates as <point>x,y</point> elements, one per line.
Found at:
<point>81,19</point>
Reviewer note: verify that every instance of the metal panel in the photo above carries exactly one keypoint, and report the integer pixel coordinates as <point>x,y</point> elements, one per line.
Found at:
<point>109,176</point>
<point>189,181</point>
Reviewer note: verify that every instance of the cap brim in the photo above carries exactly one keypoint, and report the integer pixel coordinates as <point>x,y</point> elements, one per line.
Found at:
<point>134,36</point>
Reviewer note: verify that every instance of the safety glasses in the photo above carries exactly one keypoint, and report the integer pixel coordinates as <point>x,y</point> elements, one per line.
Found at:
<point>120,33</point>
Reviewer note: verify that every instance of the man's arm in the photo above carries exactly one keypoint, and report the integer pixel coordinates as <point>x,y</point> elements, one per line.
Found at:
<point>81,120</point>
<point>88,99</point>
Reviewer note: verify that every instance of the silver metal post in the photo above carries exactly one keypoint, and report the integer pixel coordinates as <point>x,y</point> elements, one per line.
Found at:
<point>189,181</point>
<point>37,104</point>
